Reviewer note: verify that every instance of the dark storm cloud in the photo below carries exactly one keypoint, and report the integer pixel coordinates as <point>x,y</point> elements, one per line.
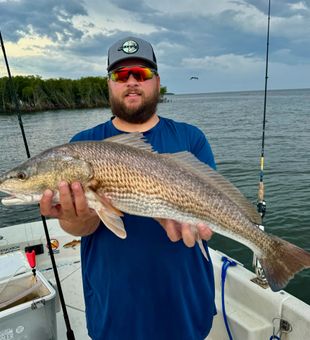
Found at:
<point>135,6</point>
<point>220,38</point>
<point>204,34</point>
<point>51,18</point>
<point>97,44</point>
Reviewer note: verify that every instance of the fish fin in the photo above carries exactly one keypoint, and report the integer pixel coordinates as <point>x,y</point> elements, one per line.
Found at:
<point>108,205</point>
<point>134,139</point>
<point>285,261</point>
<point>202,248</point>
<point>187,160</point>
<point>112,222</point>
<point>109,215</point>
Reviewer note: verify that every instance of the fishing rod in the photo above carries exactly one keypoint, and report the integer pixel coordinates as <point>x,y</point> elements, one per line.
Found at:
<point>261,203</point>
<point>14,95</point>
<point>70,334</point>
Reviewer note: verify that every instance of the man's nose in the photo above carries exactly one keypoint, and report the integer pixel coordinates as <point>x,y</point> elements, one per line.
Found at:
<point>131,79</point>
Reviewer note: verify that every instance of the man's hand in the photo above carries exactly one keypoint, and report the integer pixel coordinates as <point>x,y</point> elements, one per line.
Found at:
<point>73,212</point>
<point>177,231</point>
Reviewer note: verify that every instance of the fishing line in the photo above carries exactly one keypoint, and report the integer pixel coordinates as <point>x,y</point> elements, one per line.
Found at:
<point>70,334</point>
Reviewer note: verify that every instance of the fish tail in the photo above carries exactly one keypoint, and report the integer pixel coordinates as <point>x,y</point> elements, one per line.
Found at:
<point>282,262</point>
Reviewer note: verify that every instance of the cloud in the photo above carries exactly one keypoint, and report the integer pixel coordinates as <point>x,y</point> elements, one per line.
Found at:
<point>51,19</point>
<point>298,6</point>
<point>227,63</point>
<point>31,46</point>
<point>58,66</point>
<point>111,17</point>
<point>222,39</point>
<point>136,6</point>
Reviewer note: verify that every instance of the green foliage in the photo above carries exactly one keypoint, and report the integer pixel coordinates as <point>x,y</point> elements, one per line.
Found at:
<point>163,90</point>
<point>35,94</point>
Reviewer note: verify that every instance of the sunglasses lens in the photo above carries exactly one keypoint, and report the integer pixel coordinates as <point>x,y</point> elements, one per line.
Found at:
<point>140,73</point>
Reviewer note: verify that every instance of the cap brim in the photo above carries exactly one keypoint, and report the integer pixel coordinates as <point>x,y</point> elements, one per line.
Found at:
<point>119,61</point>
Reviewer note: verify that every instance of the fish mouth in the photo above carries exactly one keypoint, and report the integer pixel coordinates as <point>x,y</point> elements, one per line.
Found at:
<point>21,199</point>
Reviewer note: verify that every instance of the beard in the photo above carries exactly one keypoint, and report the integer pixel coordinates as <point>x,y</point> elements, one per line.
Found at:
<point>136,115</point>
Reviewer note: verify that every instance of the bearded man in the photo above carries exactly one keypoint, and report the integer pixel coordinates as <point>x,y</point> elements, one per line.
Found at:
<point>144,287</point>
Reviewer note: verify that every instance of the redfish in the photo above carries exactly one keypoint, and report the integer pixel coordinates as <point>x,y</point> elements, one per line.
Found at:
<point>123,174</point>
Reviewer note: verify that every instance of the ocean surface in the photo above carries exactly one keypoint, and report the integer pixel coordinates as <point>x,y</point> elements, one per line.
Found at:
<point>233,124</point>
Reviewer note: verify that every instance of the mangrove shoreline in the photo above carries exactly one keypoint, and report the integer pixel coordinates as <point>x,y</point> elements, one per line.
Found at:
<point>37,94</point>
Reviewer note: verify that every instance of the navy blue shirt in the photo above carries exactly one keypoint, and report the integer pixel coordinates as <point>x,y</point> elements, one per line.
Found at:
<point>146,287</point>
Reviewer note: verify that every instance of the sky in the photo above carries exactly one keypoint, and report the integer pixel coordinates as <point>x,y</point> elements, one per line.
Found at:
<point>222,42</point>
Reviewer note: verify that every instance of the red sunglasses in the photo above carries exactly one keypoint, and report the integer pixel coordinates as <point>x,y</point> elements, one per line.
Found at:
<point>140,73</point>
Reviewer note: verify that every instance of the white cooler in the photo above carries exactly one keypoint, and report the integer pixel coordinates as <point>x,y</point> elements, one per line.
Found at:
<point>27,305</point>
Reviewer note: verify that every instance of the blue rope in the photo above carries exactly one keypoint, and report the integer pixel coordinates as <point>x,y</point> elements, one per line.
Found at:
<point>226,264</point>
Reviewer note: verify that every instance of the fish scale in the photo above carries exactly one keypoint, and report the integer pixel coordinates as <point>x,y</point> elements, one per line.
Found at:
<point>124,175</point>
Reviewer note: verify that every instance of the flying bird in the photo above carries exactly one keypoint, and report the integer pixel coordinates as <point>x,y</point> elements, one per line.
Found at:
<point>191,78</point>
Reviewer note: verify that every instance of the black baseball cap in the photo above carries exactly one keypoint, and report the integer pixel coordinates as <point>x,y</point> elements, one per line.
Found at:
<point>131,48</point>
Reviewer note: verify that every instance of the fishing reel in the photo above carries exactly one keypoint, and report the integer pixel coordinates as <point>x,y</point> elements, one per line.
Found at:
<point>261,208</point>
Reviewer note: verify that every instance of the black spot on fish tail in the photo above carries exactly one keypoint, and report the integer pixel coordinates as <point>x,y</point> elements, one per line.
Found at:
<point>283,262</point>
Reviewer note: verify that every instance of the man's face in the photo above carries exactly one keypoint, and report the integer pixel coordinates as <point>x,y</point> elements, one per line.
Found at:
<point>134,101</point>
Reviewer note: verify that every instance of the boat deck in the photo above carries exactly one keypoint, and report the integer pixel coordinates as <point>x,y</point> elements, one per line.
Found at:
<point>252,311</point>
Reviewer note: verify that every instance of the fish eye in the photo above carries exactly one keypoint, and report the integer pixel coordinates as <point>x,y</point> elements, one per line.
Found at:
<point>21,175</point>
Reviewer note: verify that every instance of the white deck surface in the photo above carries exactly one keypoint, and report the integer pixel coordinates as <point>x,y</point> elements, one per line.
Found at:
<point>72,289</point>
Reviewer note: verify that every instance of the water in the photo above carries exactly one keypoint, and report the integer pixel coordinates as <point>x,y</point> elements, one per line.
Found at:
<point>233,125</point>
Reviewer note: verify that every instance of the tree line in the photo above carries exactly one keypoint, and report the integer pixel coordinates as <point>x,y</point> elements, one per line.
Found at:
<point>36,94</point>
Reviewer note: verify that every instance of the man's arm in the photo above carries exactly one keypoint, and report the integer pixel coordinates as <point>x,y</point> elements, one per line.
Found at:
<point>74,215</point>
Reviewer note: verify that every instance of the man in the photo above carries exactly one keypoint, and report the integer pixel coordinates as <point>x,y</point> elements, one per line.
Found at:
<point>144,287</point>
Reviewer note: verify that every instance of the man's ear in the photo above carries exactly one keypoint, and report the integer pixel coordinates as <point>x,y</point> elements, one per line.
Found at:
<point>158,83</point>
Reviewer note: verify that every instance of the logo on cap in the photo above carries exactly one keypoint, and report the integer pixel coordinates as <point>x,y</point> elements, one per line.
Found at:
<point>130,47</point>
